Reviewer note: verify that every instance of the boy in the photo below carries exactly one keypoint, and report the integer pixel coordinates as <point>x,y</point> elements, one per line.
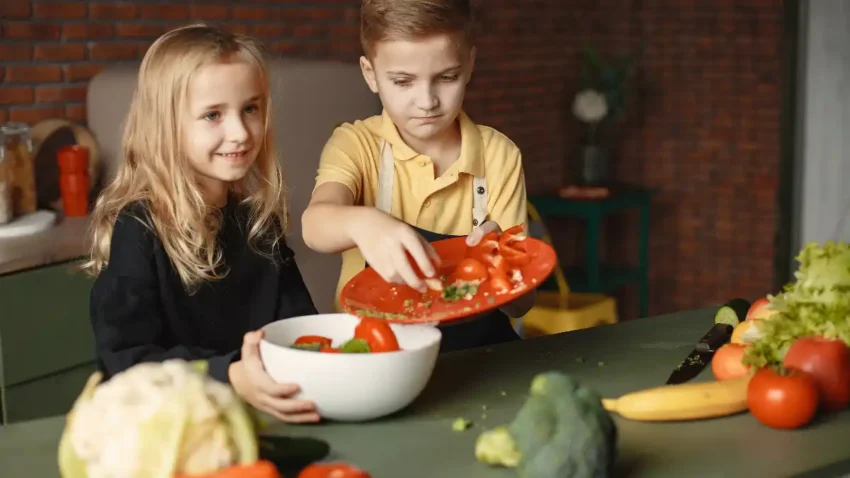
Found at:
<point>422,170</point>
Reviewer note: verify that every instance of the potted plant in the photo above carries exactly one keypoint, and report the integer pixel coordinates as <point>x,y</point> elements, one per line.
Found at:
<point>599,105</point>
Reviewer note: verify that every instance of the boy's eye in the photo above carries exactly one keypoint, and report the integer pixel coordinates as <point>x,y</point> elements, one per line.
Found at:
<point>212,116</point>
<point>401,82</point>
<point>449,78</point>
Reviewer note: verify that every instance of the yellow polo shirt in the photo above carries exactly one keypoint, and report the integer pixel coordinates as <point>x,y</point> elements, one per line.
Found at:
<point>352,156</point>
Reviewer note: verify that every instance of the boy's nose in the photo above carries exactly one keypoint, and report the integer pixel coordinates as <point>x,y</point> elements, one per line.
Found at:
<point>429,101</point>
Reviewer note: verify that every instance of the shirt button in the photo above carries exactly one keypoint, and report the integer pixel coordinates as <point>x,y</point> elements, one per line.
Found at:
<point>423,163</point>
<point>427,204</point>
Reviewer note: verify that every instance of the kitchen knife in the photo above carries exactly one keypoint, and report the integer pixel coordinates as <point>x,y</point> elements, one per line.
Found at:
<point>702,354</point>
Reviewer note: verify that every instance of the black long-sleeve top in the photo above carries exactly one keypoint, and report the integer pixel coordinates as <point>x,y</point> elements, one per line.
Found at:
<point>141,312</point>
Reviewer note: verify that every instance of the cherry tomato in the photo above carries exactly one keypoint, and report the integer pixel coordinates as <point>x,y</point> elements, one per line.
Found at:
<point>312,339</point>
<point>828,363</point>
<point>727,364</point>
<point>333,470</point>
<point>782,398</point>
<point>378,334</point>
<point>499,281</point>
<point>470,269</point>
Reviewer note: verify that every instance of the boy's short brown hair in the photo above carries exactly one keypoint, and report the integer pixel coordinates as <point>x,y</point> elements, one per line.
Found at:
<point>409,19</point>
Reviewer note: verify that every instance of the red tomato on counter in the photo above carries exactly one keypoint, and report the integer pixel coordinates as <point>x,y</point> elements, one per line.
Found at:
<point>828,362</point>
<point>782,398</point>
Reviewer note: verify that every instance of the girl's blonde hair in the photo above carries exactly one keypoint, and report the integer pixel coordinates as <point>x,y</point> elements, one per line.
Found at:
<point>155,171</point>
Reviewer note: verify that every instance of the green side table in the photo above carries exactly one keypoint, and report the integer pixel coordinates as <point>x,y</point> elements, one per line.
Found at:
<point>596,277</point>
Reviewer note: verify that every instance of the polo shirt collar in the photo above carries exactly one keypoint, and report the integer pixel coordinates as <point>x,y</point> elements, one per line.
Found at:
<point>470,160</point>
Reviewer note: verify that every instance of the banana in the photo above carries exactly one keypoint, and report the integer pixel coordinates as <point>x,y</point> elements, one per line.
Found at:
<point>687,401</point>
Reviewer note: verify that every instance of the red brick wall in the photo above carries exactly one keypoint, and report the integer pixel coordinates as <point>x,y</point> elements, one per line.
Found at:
<point>705,127</point>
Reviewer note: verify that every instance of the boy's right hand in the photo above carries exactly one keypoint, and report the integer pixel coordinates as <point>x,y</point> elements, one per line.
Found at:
<point>250,380</point>
<point>385,241</point>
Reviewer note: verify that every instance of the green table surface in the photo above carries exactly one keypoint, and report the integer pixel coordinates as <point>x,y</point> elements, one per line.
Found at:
<point>616,359</point>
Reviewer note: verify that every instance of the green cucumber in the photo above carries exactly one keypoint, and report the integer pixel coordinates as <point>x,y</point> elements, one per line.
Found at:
<point>732,313</point>
<point>356,346</point>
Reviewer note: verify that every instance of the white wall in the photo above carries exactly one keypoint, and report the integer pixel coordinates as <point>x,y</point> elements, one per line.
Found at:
<point>822,195</point>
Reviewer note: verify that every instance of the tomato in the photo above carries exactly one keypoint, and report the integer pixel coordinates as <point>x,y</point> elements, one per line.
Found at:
<point>782,398</point>
<point>828,362</point>
<point>470,269</point>
<point>329,350</point>
<point>333,470</point>
<point>727,364</point>
<point>499,281</point>
<point>513,249</point>
<point>312,339</point>
<point>378,334</point>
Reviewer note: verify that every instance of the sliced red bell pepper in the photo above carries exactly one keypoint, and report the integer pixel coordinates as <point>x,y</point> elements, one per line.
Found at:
<point>513,248</point>
<point>313,339</point>
<point>258,469</point>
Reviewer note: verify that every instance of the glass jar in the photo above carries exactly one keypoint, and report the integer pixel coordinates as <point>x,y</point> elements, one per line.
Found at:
<point>17,168</point>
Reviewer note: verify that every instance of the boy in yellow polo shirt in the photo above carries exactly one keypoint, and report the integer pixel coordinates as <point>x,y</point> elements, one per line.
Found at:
<point>422,170</point>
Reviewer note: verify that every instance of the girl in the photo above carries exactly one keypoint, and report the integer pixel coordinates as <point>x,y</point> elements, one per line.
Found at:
<point>188,245</point>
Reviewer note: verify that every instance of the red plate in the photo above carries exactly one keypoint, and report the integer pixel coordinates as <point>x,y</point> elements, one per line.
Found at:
<point>367,294</point>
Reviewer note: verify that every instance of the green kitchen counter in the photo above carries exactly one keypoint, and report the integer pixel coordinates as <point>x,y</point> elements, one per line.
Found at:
<point>614,359</point>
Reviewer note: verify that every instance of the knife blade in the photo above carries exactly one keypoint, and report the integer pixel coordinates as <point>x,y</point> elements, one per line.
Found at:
<point>702,354</point>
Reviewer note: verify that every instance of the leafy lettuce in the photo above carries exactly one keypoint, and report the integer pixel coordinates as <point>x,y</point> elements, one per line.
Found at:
<point>816,303</point>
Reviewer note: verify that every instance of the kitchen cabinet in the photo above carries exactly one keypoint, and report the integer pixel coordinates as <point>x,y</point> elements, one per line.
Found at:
<point>46,344</point>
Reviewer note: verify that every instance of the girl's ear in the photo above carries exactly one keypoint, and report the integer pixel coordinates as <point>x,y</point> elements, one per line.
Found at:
<point>368,74</point>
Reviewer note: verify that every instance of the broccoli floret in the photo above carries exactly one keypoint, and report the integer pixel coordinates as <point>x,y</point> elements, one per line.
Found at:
<point>561,430</point>
<point>496,447</point>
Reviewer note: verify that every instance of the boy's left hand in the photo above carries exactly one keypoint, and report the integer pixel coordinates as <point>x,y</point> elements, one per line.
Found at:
<point>519,306</point>
<point>478,233</point>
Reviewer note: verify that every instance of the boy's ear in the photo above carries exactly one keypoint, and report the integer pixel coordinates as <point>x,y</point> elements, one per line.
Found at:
<point>471,64</point>
<point>368,74</point>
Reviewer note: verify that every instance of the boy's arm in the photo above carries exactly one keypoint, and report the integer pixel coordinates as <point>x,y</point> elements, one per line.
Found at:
<point>326,222</point>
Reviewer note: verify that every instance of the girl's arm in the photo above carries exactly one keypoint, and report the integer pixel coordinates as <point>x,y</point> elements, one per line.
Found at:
<point>125,308</point>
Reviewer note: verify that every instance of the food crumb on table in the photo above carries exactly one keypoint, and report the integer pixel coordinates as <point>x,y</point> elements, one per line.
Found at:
<point>460,424</point>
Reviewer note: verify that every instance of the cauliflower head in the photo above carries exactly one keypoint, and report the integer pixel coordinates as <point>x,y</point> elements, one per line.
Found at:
<point>156,420</point>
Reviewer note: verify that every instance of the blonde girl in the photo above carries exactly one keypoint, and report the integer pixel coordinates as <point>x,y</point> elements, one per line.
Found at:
<point>188,240</point>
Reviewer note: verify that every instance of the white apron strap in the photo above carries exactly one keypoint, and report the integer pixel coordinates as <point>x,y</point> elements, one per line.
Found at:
<point>479,201</point>
<point>386,182</point>
<point>386,179</point>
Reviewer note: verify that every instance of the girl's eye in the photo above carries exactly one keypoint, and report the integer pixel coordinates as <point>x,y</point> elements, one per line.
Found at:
<point>211,116</point>
<point>252,109</point>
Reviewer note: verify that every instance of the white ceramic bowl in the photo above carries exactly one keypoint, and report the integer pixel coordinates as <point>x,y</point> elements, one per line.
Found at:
<point>350,387</point>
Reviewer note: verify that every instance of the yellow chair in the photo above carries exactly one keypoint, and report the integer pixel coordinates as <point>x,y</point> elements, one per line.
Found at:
<point>561,310</point>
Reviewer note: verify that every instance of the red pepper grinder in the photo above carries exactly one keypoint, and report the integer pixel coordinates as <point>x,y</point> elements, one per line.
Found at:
<point>74,179</point>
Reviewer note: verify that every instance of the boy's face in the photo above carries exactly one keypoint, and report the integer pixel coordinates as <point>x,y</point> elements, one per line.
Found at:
<point>421,83</point>
<point>225,123</point>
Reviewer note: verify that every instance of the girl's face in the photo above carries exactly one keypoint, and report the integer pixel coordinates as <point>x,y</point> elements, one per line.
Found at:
<point>224,125</point>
